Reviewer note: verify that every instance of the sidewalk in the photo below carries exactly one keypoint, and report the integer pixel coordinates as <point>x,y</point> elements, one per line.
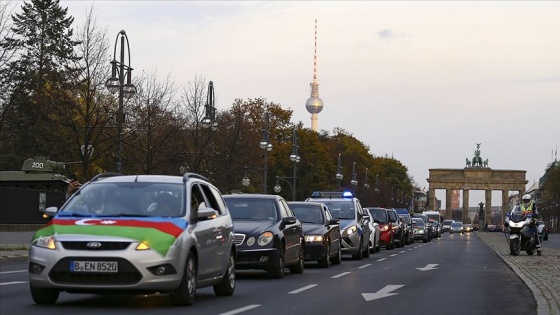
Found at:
<point>540,273</point>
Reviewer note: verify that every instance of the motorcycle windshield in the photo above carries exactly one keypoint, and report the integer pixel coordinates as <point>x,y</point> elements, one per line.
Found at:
<point>517,215</point>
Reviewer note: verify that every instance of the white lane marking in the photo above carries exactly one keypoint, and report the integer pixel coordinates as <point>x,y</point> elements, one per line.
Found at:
<point>381,259</point>
<point>307,287</point>
<point>409,249</point>
<point>392,255</point>
<point>404,251</point>
<point>14,271</point>
<point>364,266</point>
<point>428,267</point>
<point>385,292</point>
<point>242,309</point>
<point>13,282</point>
<point>340,275</point>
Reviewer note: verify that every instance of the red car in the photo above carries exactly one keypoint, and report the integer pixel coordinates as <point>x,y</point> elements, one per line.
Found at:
<point>387,232</point>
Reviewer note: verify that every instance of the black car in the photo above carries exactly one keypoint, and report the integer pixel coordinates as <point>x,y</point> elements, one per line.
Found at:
<point>267,234</point>
<point>321,232</point>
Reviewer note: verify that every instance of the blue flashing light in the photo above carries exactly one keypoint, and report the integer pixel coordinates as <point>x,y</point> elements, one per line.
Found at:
<point>332,194</point>
<point>347,194</point>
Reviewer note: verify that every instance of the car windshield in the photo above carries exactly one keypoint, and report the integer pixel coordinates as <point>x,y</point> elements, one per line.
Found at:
<point>127,199</point>
<point>308,213</point>
<point>456,224</point>
<point>253,209</point>
<point>417,223</point>
<point>342,210</point>
<point>379,214</point>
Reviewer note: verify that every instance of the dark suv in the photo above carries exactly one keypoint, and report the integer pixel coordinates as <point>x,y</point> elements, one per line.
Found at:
<point>354,221</point>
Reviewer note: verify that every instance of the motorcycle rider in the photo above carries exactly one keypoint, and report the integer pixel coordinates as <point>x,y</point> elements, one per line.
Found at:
<point>527,205</point>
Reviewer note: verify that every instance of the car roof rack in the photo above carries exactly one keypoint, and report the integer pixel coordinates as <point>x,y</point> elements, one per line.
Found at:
<point>188,175</point>
<point>104,175</point>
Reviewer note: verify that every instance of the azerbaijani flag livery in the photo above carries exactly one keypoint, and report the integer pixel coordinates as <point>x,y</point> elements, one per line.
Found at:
<point>158,233</point>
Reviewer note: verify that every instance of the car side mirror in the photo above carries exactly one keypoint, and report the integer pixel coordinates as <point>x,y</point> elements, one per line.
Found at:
<point>366,216</point>
<point>289,220</point>
<point>333,222</point>
<point>50,212</point>
<point>205,213</point>
<point>376,220</point>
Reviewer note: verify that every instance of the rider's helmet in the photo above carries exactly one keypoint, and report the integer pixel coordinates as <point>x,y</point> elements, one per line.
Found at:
<point>526,199</point>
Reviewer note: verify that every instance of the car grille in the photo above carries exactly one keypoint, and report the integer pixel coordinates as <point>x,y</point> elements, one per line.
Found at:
<point>239,239</point>
<point>127,274</point>
<point>102,245</point>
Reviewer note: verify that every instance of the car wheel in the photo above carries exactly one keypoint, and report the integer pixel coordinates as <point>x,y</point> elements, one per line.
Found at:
<point>365,254</point>
<point>393,242</point>
<point>338,258</point>
<point>277,272</point>
<point>326,261</point>
<point>372,246</point>
<point>360,254</point>
<point>545,237</point>
<point>298,268</point>
<point>227,285</point>
<point>186,292</point>
<point>44,296</point>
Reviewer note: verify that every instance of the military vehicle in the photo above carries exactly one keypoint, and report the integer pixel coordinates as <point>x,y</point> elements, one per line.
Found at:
<point>36,173</point>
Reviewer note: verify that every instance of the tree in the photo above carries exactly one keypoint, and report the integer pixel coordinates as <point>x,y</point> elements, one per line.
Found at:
<point>154,137</point>
<point>550,203</point>
<point>40,76</point>
<point>90,116</point>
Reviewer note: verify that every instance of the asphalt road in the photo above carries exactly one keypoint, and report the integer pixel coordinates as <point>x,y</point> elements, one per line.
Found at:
<point>456,274</point>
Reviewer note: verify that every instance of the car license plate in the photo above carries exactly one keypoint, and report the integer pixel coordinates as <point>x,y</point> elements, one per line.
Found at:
<point>94,266</point>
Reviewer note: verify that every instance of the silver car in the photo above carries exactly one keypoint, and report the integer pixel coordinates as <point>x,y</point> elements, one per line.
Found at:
<point>354,220</point>
<point>136,234</point>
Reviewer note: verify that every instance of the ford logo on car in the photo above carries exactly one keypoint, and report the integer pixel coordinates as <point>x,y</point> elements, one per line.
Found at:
<point>93,245</point>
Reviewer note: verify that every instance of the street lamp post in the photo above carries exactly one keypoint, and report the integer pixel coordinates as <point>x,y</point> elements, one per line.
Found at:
<point>339,175</point>
<point>246,181</point>
<point>278,188</point>
<point>366,185</point>
<point>354,180</point>
<point>294,157</point>
<point>116,83</point>
<point>266,146</point>
<point>209,119</point>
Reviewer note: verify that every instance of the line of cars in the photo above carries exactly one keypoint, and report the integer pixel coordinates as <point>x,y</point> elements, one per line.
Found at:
<point>144,234</point>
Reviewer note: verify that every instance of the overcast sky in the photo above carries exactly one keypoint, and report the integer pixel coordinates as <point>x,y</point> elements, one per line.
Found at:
<point>420,81</point>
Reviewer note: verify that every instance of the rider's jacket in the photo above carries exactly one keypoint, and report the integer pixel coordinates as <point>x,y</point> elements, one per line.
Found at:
<point>531,208</point>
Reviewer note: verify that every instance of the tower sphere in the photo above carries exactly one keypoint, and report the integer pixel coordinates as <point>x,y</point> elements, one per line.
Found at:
<point>314,105</point>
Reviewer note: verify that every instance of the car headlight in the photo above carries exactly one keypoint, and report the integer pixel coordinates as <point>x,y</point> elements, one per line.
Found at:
<point>45,242</point>
<point>314,238</point>
<point>384,228</point>
<point>265,238</point>
<point>350,230</point>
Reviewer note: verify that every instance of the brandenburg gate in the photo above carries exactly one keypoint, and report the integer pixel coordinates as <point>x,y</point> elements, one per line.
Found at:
<point>475,176</point>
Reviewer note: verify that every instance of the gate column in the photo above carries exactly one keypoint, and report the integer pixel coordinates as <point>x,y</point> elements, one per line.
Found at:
<point>448,205</point>
<point>465,205</point>
<point>488,212</point>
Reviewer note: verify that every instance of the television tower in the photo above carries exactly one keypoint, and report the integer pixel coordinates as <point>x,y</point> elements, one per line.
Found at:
<point>314,104</point>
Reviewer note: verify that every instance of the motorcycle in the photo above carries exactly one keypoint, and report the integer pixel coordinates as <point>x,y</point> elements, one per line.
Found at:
<point>521,233</point>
